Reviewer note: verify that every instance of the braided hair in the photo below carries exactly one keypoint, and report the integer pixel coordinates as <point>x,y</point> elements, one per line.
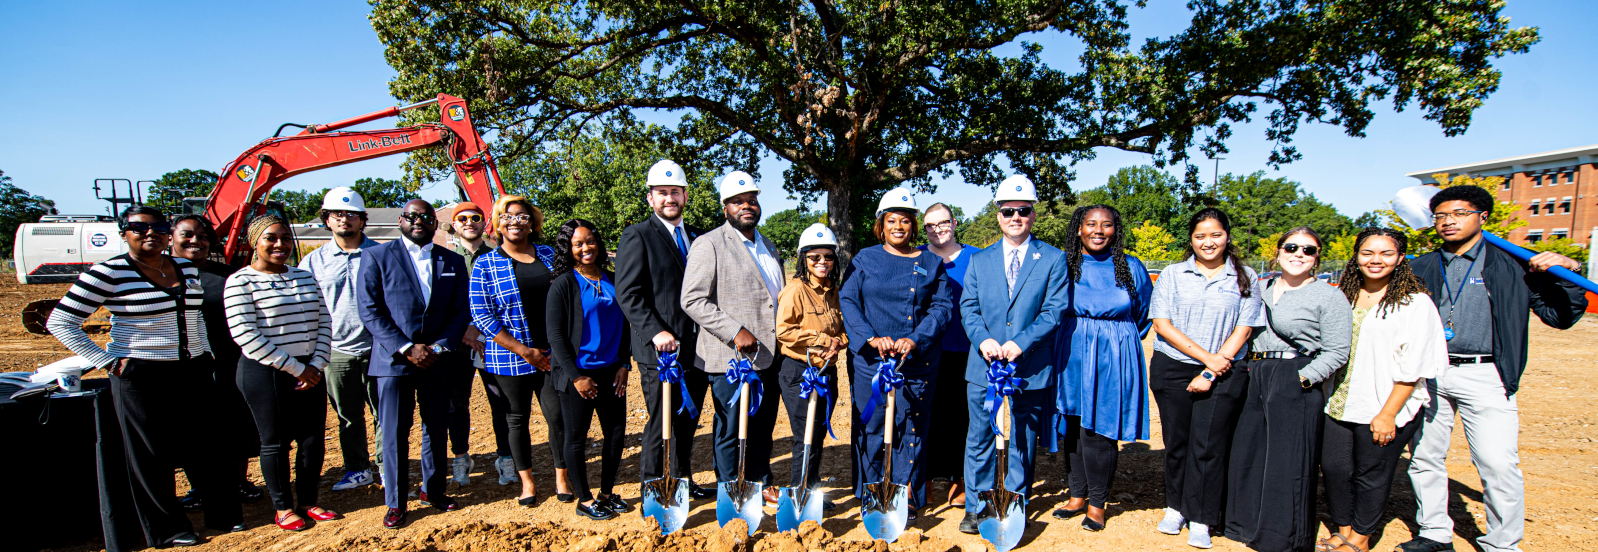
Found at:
<point>1402,284</point>
<point>1245,285</point>
<point>1117,247</point>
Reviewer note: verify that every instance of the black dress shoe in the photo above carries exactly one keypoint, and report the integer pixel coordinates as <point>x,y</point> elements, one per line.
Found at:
<point>240,528</point>
<point>566,498</point>
<point>616,504</point>
<point>186,538</point>
<point>598,511</point>
<point>911,514</point>
<point>445,503</point>
<point>1063,513</point>
<point>968,524</point>
<point>1089,524</point>
<point>249,492</point>
<point>190,502</point>
<point>394,519</point>
<point>695,491</point>
<point>529,501</point>
<point>1423,544</point>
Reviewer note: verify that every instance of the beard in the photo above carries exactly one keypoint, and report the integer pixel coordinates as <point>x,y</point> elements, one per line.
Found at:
<point>741,226</point>
<point>347,233</point>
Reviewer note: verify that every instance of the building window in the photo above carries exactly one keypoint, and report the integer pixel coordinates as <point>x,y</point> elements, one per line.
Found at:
<point>1560,233</point>
<point>1534,236</point>
<point>1533,206</point>
<point>1564,205</point>
<point>1570,177</point>
<point>1537,181</point>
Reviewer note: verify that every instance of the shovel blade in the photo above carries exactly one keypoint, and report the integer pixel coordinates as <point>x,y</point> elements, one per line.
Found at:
<point>740,500</point>
<point>885,510</point>
<point>666,500</point>
<point>1003,518</point>
<point>796,506</point>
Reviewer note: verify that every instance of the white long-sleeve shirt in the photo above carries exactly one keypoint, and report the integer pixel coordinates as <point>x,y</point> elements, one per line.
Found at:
<point>1405,345</point>
<point>277,317</point>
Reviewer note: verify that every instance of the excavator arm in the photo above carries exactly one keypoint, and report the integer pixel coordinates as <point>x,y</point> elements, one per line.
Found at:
<point>246,180</point>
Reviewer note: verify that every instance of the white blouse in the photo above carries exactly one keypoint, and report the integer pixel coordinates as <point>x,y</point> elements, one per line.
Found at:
<point>1403,345</point>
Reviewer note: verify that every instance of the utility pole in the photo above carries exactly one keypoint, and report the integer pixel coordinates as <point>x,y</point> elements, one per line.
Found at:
<point>1217,179</point>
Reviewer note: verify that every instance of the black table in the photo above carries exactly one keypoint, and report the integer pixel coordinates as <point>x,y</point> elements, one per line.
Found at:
<point>66,476</point>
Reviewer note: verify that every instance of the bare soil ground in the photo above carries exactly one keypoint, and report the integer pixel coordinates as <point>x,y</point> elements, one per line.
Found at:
<point>1558,454</point>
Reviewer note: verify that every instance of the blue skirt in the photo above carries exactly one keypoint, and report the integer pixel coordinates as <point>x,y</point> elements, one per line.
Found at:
<point>1104,381</point>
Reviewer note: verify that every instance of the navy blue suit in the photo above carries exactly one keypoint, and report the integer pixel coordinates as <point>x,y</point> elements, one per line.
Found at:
<point>1028,317</point>
<point>391,307</point>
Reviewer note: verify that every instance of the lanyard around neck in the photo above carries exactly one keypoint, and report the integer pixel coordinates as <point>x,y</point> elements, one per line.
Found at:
<point>1453,295</point>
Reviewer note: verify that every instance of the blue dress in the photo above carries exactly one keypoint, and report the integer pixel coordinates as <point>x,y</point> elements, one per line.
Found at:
<point>1101,347</point>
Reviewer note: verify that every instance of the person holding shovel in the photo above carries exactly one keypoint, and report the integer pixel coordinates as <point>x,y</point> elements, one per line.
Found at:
<point>1014,298</point>
<point>810,330</point>
<point>896,305</point>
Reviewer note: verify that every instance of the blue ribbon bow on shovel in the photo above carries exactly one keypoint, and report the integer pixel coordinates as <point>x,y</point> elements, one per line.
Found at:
<point>814,382</point>
<point>887,379</point>
<point>671,372</point>
<point>742,371</point>
<point>1001,381</point>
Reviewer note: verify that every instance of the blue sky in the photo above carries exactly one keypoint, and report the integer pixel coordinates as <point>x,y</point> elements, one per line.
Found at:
<point>137,89</point>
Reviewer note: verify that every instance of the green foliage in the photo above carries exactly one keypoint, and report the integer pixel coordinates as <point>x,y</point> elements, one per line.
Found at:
<point>1265,249</point>
<point>783,228</point>
<point>1369,220</point>
<point>982,229</point>
<point>1562,246</point>
<point>1260,207</point>
<point>168,191</point>
<point>1341,248</point>
<point>17,206</point>
<point>1500,222</point>
<point>378,193</point>
<point>1142,193</point>
<point>1150,242</point>
<point>863,96</point>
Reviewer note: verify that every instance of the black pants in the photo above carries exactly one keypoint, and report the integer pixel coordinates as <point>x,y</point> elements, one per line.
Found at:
<point>579,414</point>
<point>498,408</point>
<point>285,416</point>
<point>461,372</point>
<point>682,426</point>
<point>519,392</point>
<point>946,442</point>
<point>1359,473</point>
<point>788,377</point>
<point>1272,472</point>
<point>757,457</point>
<point>1197,428</point>
<point>234,420</point>
<point>1090,462</point>
<point>161,431</point>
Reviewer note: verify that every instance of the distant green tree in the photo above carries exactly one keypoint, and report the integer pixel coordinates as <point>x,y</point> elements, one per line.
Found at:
<point>983,228</point>
<point>1141,193</point>
<point>1260,207</point>
<point>379,193</point>
<point>1562,246</point>
<point>1150,242</point>
<point>168,191</point>
<point>783,228</point>
<point>17,206</point>
<point>1370,219</point>
<point>301,206</point>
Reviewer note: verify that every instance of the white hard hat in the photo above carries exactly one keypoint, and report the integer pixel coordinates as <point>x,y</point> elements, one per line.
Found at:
<point>1016,188</point>
<point>737,182</point>
<point>897,198</point>
<point>343,198</point>
<point>666,173</point>
<point>817,235</point>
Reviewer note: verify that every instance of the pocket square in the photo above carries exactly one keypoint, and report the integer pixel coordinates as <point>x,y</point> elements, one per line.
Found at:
<point>446,274</point>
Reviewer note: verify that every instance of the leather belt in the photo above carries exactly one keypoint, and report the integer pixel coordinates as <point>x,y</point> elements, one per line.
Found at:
<point>1456,360</point>
<point>1264,355</point>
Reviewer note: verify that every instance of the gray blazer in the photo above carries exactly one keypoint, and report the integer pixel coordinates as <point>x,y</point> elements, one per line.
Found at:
<point>723,292</point>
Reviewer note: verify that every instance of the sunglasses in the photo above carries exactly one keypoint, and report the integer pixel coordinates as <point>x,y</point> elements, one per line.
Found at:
<point>418,217</point>
<point>1310,250</point>
<point>1008,212</point>
<point>473,218</point>
<point>820,258</point>
<point>161,228</point>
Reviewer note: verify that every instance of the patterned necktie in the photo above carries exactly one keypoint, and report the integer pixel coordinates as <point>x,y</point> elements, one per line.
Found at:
<point>1013,269</point>
<point>682,246</point>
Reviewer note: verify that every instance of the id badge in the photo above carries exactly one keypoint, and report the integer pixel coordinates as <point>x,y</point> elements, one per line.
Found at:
<point>194,284</point>
<point>921,271</point>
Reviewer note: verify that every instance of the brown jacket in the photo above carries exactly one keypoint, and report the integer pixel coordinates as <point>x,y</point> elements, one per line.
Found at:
<point>808,316</point>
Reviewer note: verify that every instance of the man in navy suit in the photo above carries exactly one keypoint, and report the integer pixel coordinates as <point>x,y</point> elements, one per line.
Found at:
<point>413,298</point>
<point>1014,298</point>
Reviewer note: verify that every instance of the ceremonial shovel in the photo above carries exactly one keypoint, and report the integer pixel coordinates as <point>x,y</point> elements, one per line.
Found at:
<point>1003,512</point>
<point>666,498</point>
<point>740,498</point>
<point>885,508</point>
<point>797,504</point>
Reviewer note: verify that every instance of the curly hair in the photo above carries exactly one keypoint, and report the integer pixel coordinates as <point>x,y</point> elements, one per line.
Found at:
<point>1244,284</point>
<point>1117,248</point>
<point>564,262</point>
<point>1400,285</point>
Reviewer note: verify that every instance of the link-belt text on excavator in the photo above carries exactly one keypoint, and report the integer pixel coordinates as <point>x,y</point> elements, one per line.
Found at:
<point>384,142</point>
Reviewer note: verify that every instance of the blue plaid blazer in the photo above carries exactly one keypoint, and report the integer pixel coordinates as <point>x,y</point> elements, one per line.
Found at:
<point>497,305</point>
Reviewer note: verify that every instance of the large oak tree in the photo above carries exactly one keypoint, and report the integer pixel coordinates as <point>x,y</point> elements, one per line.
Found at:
<point>863,95</point>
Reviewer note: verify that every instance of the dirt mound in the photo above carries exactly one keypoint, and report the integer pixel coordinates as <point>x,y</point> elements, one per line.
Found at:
<point>480,536</point>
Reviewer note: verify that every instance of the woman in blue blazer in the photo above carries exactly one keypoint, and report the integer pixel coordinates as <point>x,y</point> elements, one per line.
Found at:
<point>896,305</point>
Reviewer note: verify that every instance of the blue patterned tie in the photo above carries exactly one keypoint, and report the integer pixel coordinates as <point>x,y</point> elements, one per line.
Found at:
<point>682,246</point>
<point>1011,271</point>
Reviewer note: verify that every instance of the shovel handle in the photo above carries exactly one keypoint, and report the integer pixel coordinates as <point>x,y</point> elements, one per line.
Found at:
<point>743,411</point>
<point>887,428</point>
<point>665,410</point>
<point>810,418</point>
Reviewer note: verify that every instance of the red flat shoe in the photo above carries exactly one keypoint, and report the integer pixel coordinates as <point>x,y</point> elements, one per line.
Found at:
<point>297,525</point>
<point>326,515</point>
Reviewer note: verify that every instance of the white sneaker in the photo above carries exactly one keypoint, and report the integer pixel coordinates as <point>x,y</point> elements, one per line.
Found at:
<point>1198,535</point>
<point>354,479</point>
<point>463,469</point>
<point>1172,524</point>
<point>507,470</point>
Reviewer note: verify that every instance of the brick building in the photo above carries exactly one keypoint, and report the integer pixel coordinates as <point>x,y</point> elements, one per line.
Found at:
<point>1551,189</point>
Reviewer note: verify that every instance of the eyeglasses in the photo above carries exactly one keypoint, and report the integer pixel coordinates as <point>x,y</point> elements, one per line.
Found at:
<point>1457,215</point>
<point>1008,212</point>
<point>515,218</point>
<point>1310,250</point>
<point>939,226</point>
<point>159,228</point>
<point>473,218</point>
<point>821,258</point>
<point>419,217</point>
<point>346,215</point>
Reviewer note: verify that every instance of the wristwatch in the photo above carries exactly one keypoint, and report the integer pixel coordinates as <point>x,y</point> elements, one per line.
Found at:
<point>1305,382</point>
<point>1207,375</point>
<point>439,349</point>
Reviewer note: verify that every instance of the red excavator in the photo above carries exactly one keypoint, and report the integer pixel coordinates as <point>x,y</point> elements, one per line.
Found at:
<point>246,180</point>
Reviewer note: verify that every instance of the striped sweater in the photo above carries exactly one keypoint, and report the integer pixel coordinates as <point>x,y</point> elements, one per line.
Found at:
<point>147,322</point>
<point>277,317</point>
